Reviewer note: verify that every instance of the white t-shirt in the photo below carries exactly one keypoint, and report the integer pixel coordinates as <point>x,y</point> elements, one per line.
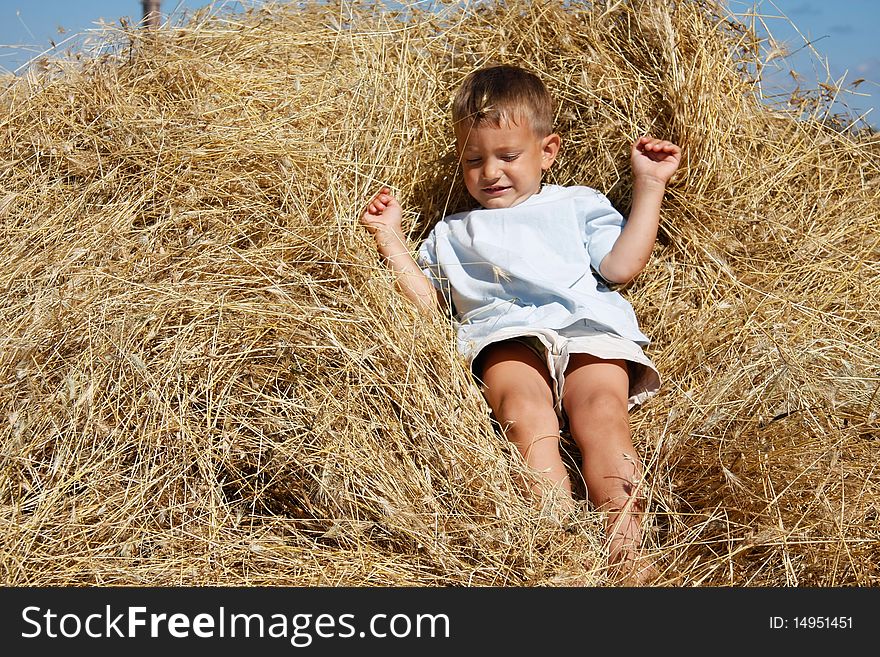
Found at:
<point>529,266</point>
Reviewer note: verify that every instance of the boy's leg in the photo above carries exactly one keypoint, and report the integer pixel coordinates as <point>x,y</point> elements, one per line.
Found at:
<point>595,400</point>
<point>517,387</point>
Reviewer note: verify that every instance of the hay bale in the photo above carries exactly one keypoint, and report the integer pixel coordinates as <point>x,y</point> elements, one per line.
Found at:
<point>207,379</point>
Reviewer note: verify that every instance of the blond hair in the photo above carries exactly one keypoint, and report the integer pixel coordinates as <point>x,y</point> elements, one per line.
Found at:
<point>500,94</point>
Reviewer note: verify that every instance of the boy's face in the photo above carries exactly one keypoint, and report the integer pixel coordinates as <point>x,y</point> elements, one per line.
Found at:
<point>503,166</point>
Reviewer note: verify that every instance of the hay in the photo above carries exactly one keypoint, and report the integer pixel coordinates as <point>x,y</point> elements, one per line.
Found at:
<point>207,378</point>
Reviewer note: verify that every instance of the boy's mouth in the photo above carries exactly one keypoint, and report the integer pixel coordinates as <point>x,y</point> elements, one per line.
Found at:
<point>492,191</point>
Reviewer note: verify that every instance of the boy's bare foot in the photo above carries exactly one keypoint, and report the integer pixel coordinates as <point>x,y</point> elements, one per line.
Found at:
<point>633,569</point>
<point>628,564</point>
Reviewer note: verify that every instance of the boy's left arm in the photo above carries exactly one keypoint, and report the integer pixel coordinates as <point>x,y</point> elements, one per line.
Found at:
<point>653,163</point>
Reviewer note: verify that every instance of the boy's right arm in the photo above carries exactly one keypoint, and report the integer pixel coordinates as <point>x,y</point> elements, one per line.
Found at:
<point>383,219</point>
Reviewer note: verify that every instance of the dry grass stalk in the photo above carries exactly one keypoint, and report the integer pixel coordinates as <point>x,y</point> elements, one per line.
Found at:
<point>206,378</point>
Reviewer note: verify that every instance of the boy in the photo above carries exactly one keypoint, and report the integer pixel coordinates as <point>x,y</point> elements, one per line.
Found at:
<point>526,275</point>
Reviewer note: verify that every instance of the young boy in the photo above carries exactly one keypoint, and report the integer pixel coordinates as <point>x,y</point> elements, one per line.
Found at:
<point>526,275</point>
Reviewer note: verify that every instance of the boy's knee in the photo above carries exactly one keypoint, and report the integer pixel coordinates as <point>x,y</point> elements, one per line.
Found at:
<point>600,408</point>
<point>518,407</point>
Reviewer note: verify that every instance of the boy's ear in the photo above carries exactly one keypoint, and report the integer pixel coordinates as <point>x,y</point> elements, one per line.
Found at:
<point>549,149</point>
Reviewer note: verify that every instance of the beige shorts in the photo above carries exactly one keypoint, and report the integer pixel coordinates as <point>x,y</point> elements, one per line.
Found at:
<point>556,347</point>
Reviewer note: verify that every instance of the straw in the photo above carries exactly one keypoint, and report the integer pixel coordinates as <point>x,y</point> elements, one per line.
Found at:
<point>207,377</point>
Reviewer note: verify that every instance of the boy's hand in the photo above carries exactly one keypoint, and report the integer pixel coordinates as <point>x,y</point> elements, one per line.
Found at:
<point>383,213</point>
<point>655,159</point>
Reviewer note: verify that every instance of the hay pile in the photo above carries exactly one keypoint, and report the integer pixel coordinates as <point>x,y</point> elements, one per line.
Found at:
<point>206,376</point>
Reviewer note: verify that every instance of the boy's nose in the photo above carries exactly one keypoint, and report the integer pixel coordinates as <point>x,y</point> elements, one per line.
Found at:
<point>491,170</point>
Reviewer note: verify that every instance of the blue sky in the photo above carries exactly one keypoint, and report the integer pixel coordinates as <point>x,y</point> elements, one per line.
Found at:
<point>27,27</point>
<point>844,32</point>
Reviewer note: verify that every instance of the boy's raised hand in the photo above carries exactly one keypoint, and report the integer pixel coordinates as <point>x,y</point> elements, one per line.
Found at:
<point>655,158</point>
<point>383,213</point>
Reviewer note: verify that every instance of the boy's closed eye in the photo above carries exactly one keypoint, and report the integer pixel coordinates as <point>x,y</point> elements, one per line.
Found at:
<point>507,157</point>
